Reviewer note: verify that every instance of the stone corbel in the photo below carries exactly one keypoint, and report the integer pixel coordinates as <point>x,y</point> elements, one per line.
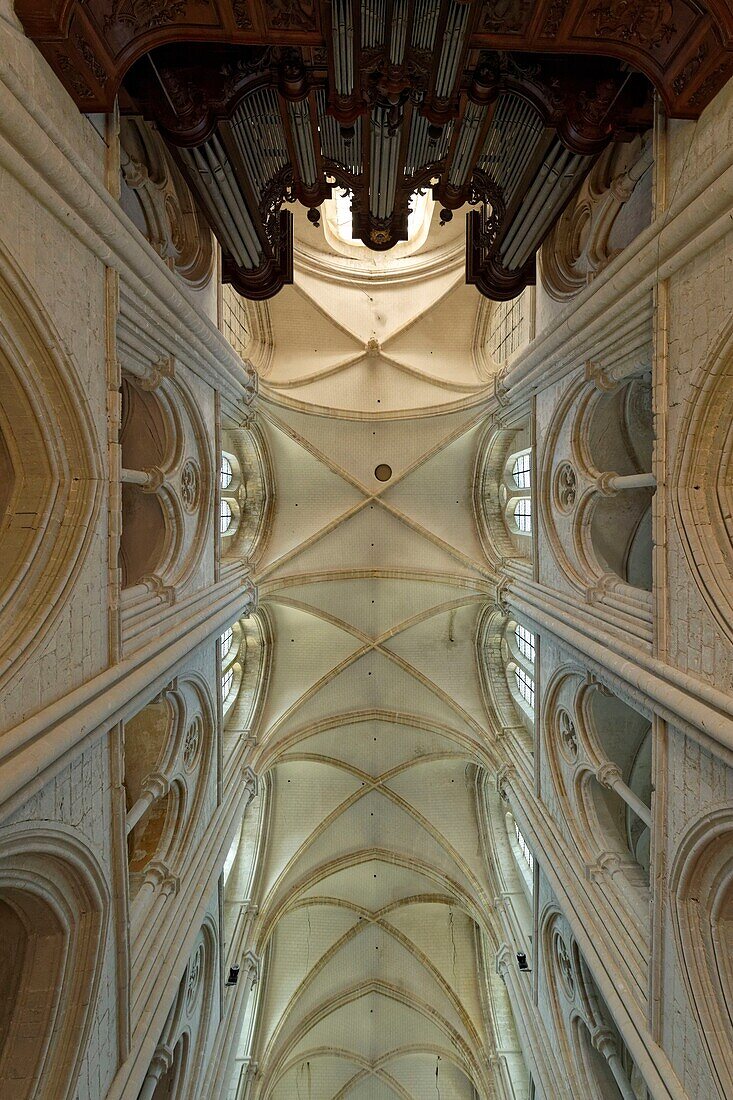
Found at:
<point>600,378</point>
<point>610,483</point>
<point>505,776</point>
<point>250,599</point>
<point>505,958</point>
<point>250,782</point>
<point>163,367</point>
<point>249,1067</point>
<point>606,866</point>
<point>500,388</point>
<point>606,583</point>
<point>160,1064</point>
<point>605,1043</point>
<point>605,485</point>
<point>149,480</point>
<point>500,598</point>
<point>251,386</point>
<point>608,775</point>
<point>592,680</point>
<point>252,964</point>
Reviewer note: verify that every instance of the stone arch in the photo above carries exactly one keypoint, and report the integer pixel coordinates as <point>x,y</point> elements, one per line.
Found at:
<point>54,911</point>
<point>599,1079</point>
<point>152,840</point>
<point>703,475</point>
<point>169,753</point>
<point>594,1050</point>
<point>50,466</point>
<point>249,660</point>
<point>616,437</point>
<point>167,490</point>
<point>160,203</point>
<point>178,1064</point>
<point>149,441</point>
<point>623,737</point>
<point>701,894</point>
<point>494,657</point>
<point>250,493</point>
<point>595,488</point>
<point>593,741</point>
<point>496,491</point>
<point>612,206</point>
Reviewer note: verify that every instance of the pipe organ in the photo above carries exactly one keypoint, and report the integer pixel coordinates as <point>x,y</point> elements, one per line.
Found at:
<point>267,103</point>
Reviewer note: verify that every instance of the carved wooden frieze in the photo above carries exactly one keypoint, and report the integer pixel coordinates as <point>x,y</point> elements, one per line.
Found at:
<point>683,46</point>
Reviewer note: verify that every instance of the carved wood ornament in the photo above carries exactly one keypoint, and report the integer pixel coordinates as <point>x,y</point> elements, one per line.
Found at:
<point>264,102</point>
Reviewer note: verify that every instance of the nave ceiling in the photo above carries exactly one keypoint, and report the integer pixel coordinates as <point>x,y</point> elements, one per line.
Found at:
<point>375,885</point>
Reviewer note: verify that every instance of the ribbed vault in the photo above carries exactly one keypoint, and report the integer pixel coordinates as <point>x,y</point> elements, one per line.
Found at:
<point>374,889</point>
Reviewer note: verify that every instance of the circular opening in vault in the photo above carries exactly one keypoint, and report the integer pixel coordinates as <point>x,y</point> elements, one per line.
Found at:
<point>383,472</point>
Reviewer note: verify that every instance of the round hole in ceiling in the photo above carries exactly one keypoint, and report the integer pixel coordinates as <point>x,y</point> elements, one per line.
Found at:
<point>383,472</point>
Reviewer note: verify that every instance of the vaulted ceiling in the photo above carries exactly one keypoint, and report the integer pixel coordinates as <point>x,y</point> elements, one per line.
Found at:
<point>375,885</point>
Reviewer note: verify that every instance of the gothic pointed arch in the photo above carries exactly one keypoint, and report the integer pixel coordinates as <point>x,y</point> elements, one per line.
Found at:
<point>52,470</point>
<point>701,884</point>
<point>54,917</point>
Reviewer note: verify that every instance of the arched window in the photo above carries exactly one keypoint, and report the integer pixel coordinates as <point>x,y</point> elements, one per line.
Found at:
<point>523,515</point>
<point>525,641</point>
<point>525,686</point>
<point>518,656</point>
<point>522,471</point>
<point>226,683</point>
<point>524,847</point>
<point>230,482</point>
<point>508,328</point>
<point>226,641</point>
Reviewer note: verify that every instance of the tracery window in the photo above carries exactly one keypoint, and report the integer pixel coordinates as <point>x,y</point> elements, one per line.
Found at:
<point>523,515</point>
<point>524,847</point>
<point>519,653</point>
<point>234,320</point>
<point>515,491</point>
<point>508,328</point>
<point>226,683</point>
<point>226,472</point>
<point>225,516</point>
<point>525,685</point>
<point>525,641</point>
<point>521,470</point>
<point>226,641</point>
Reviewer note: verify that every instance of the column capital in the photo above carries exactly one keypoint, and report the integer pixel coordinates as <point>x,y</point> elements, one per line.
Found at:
<point>609,774</point>
<point>156,784</point>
